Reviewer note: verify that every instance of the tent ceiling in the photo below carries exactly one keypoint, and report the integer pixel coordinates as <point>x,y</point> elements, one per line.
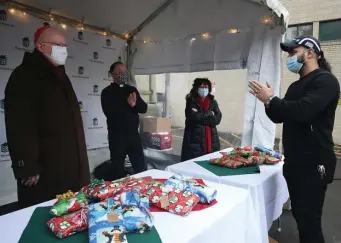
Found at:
<point>117,15</point>
<point>179,19</point>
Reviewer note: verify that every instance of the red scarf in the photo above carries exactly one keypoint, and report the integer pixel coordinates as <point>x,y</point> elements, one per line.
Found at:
<point>205,104</point>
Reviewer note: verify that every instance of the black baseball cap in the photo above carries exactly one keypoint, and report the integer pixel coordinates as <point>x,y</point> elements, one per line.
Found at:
<point>304,41</point>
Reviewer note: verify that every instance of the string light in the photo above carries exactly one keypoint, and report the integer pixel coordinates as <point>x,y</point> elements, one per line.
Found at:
<point>233,31</point>
<point>267,20</point>
<point>105,33</point>
<point>127,36</point>
<point>24,13</point>
<point>63,26</point>
<point>12,10</point>
<point>205,35</point>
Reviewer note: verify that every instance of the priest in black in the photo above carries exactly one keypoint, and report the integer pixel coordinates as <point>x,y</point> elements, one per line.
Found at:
<point>121,104</point>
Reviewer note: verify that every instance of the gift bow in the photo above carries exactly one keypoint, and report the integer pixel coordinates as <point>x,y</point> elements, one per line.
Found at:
<point>96,182</point>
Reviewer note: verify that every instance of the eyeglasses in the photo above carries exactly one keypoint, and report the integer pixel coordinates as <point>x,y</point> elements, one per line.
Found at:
<point>56,44</point>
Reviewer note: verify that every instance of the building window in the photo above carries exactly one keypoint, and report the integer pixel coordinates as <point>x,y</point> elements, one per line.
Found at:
<point>330,30</point>
<point>294,31</point>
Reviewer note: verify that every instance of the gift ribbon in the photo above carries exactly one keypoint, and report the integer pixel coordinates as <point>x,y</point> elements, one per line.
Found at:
<point>83,218</point>
<point>96,182</point>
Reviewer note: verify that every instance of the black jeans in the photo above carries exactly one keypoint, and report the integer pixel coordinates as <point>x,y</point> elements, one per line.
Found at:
<point>307,190</point>
<point>121,145</point>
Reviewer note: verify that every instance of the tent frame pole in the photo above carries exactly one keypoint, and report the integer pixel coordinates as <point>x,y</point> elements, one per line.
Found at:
<point>150,18</point>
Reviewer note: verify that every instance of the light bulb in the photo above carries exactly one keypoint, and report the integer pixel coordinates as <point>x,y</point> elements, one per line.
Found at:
<point>233,31</point>
<point>12,10</point>
<point>63,26</point>
<point>193,39</point>
<point>145,42</point>
<point>126,36</point>
<point>267,20</point>
<point>205,35</point>
<point>24,13</point>
<point>105,33</point>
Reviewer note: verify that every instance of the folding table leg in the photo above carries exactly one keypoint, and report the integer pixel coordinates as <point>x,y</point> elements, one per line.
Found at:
<point>279,224</point>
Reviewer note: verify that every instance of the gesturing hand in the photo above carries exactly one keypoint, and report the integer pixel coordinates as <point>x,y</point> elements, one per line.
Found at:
<point>132,99</point>
<point>31,181</point>
<point>260,91</point>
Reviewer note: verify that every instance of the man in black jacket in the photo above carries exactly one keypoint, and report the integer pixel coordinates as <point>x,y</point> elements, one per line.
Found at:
<point>121,104</point>
<point>307,112</point>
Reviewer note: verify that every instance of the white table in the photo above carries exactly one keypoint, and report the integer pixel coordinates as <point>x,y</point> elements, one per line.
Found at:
<point>268,189</point>
<point>231,220</point>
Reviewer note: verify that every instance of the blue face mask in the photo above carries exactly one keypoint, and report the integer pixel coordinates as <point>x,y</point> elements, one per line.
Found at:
<point>203,92</point>
<point>293,64</point>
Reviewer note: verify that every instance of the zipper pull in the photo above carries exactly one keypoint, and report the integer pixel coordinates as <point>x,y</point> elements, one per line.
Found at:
<point>322,171</point>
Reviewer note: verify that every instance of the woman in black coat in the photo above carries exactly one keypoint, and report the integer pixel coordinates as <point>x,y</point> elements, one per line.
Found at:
<point>202,117</point>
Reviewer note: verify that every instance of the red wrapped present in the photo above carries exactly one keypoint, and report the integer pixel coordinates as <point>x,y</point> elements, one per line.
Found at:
<point>139,185</point>
<point>69,224</point>
<point>100,189</point>
<point>177,202</point>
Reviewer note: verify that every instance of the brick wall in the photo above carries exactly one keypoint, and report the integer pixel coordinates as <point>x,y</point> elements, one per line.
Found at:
<point>303,11</point>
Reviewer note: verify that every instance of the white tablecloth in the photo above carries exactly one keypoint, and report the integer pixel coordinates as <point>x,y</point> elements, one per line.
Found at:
<point>268,189</point>
<point>231,220</point>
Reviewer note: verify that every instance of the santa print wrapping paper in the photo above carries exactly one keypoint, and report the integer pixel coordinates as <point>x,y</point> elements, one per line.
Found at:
<point>241,157</point>
<point>173,200</point>
<point>135,184</point>
<point>100,189</point>
<point>206,194</point>
<point>69,204</point>
<point>106,222</point>
<point>69,224</point>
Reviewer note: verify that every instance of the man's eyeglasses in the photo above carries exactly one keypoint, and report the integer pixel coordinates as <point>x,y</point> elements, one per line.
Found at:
<point>56,44</point>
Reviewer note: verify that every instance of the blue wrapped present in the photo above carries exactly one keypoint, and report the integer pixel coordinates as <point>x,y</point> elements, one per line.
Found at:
<point>105,222</point>
<point>135,210</point>
<point>206,194</point>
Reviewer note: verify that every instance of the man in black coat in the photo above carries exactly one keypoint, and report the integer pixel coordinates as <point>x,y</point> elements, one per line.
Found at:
<point>44,125</point>
<point>307,112</point>
<point>121,104</point>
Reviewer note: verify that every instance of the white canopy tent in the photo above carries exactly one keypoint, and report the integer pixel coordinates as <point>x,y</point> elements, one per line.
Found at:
<point>165,36</point>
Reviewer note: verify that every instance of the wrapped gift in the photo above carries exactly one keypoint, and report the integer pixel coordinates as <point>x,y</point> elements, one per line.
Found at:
<point>159,141</point>
<point>205,193</point>
<point>106,222</point>
<point>68,203</point>
<point>171,199</point>
<point>232,161</point>
<point>69,224</point>
<point>269,152</point>
<point>136,184</point>
<point>136,215</point>
<point>100,189</point>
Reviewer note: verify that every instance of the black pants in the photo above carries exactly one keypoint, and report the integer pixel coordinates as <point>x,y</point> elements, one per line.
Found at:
<point>307,190</point>
<point>122,145</point>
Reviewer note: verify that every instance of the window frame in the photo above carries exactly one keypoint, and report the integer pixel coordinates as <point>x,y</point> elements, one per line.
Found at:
<point>328,21</point>
<point>297,26</point>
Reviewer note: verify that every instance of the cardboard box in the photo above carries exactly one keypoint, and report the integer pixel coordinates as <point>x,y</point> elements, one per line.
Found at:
<point>156,124</point>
